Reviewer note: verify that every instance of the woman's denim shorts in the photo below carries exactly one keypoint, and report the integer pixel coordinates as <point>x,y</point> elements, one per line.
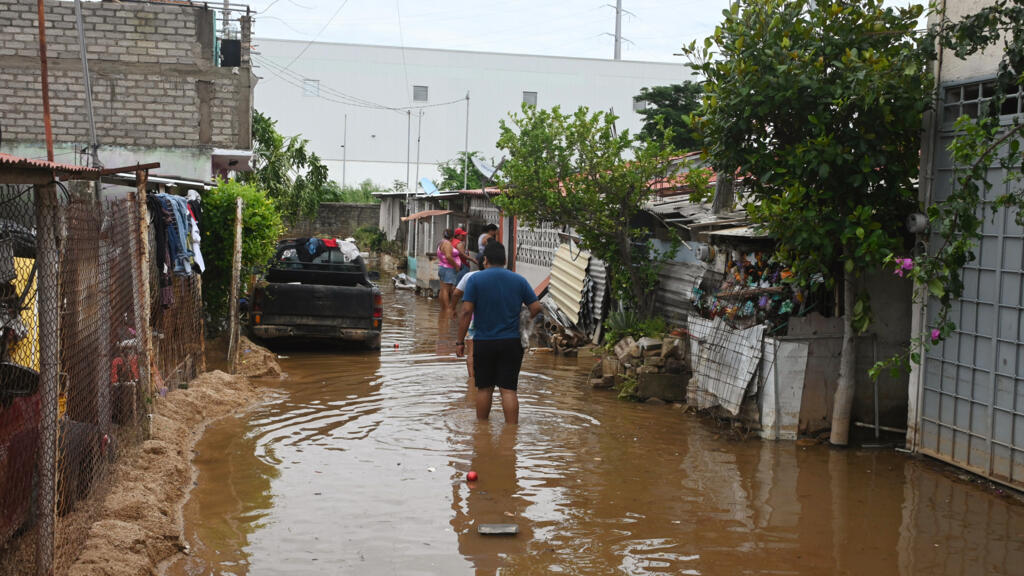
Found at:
<point>447,275</point>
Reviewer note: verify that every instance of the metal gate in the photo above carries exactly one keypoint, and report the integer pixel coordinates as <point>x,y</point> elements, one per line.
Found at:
<point>972,404</point>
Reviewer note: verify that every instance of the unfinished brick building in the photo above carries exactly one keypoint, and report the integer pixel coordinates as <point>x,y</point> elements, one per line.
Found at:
<point>170,82</point>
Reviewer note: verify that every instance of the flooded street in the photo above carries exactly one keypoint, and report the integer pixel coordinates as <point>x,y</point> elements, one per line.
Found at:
<point>357,466</point>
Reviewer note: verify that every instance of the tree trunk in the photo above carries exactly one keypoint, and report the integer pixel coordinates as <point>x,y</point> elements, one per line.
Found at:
<point>724,194</point>
<point>843,402</point>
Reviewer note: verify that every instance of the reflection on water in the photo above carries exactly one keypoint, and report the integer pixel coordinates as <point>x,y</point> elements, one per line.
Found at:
<point>358,467</point>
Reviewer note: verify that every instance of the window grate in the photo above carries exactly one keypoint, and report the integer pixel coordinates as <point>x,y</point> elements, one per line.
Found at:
<point>975,99</point>
<point>420,93</point>
<point>530,98</point>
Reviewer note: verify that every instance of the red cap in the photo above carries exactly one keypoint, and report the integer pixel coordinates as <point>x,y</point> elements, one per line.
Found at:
<point>460,232</point>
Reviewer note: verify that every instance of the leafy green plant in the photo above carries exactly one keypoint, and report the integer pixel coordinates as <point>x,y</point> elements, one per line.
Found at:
<point>578,170</point>
<point>285,168</point>
<point>670,107</point>
<point>261,228</point>
<point>623,323</point>
<point>361,194</point>
<point>453,173</point>
<point>373,239</point>
<point>627,390</point>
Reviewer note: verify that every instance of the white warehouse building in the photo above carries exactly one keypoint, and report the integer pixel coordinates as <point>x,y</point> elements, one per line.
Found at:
<point>386,113</point>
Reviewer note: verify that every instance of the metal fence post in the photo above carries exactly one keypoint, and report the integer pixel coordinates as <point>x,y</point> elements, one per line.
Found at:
<point>49,367</point>
<point>236,269</point>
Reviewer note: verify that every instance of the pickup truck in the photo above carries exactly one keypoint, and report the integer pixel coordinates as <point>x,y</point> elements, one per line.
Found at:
<point>326,296</point>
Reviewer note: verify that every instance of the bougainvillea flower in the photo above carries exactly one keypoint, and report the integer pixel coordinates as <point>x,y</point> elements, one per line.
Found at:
<point>935,335</point>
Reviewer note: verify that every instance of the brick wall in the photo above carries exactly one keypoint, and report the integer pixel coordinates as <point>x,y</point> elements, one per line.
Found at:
<point>154,80</point>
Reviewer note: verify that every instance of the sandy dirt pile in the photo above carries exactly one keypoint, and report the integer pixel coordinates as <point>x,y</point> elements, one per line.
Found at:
<point>140,524</point>
<point>256,361</point>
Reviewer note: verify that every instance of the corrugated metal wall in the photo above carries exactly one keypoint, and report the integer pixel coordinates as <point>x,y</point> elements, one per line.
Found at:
<point>675,290</point>
<point>568,277</point>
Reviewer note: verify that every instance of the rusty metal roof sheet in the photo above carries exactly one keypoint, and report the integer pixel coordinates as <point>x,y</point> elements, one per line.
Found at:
<point>425,214</point>
<point>8,160</point>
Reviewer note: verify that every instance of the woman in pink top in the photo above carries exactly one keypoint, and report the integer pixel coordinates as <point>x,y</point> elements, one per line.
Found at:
<point>448,264</point>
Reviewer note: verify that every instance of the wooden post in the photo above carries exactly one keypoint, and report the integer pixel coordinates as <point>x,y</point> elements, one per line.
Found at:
<point>104,268</point>
<point>236,270</point>
<point>49,370</point>
<point>140,281</point>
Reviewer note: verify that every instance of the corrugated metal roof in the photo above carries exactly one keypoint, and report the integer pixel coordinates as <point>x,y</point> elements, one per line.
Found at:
<point>741,232</point>
<point>568,278</point>
<point>598,273</point>
<point>64,169</point>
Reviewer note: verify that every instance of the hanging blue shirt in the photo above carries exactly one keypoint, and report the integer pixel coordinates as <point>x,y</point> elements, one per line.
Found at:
<point>498,295</point>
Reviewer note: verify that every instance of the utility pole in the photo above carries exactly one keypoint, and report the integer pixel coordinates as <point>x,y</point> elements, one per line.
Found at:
<point>45,77</point>
<point>93,145</point>
<point>465,156</point>
<point>408,145</point>
<point>344,150</point>
<point>419,134</point>
<point>618,29</point>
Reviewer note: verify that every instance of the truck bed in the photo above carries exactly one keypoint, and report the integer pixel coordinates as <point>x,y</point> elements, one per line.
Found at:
<point>317,300</point>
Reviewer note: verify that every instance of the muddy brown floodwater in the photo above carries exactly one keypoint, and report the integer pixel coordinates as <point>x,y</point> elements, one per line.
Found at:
<point>357,466</point>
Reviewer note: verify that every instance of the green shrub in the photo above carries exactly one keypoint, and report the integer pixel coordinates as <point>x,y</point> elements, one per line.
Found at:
<point>372,239</point>
<point>623,323</point>
<point>261,228</point>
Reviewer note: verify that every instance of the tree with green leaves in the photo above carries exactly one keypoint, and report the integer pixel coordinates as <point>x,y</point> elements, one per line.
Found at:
<point>821,105</point>
<point>453,173</point>
<point>361,194</point>
<point>286,170</point>
<point>261,228</point>
<point>575,170</point>
<point>670,107</point>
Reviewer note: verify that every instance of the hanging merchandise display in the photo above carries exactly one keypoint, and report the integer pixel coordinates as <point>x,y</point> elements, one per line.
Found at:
<point>753,291</point>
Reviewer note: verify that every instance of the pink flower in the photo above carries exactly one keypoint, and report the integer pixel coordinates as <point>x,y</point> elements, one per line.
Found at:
<point>935,335</point>
<point>905,265</point>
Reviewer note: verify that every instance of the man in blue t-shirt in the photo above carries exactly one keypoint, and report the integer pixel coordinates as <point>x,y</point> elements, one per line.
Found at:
<point>493,299</point>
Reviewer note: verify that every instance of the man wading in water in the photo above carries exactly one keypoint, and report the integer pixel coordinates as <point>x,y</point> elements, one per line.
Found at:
<point>494,297</point>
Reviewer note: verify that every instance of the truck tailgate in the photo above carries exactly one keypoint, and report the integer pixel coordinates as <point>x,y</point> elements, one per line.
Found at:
<point>316,304</point>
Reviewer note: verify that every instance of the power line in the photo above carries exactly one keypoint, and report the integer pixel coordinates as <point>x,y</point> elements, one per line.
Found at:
<point>401,41</point>
<point>310,43</point>
<point>295,79</point>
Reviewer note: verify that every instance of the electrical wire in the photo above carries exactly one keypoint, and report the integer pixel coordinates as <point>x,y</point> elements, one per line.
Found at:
<point>310,43</point>
<point>401,43</point>
<point>339,97</point>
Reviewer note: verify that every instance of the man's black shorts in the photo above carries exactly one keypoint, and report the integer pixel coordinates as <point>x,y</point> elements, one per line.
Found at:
<point>497,362</point>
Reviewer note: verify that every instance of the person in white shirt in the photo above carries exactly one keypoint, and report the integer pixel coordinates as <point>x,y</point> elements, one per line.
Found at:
<point>471,383</point>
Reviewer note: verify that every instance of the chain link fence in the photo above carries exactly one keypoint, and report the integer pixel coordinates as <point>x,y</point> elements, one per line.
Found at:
<point>76,397</point>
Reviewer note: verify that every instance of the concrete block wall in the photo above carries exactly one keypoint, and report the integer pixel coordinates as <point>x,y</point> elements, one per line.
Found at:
<point>150,65</point>
<point>339,219</point>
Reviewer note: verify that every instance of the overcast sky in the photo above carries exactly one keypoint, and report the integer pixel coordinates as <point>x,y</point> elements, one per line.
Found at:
<point>655,29</point>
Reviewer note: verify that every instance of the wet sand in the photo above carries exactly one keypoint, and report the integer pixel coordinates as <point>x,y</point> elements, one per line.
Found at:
<point>358,466</point>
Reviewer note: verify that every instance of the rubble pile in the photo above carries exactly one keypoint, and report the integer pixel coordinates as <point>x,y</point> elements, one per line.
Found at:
<point>660,367</point>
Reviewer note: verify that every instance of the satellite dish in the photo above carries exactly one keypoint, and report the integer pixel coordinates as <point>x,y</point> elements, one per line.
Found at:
<point>428,187</point>
<point>485,169</point>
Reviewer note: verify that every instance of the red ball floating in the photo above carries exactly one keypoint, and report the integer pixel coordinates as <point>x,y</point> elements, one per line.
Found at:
<point>471,476</point>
